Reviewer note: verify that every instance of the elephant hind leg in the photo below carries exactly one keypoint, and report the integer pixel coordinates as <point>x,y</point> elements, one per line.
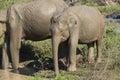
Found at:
<point>99,51</point>
<point>91,52</point>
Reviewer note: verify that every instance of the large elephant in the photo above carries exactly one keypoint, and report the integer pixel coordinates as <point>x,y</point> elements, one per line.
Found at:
<point>28,21</point>
<point>78,24</point>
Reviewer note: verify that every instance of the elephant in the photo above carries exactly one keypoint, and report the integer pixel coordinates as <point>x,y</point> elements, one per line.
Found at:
<point>2,22</point>
<point>27,21</point>
<point>77,25</point>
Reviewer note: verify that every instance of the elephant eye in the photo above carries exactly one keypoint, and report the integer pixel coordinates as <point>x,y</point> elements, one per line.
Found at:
<point>53,20</point>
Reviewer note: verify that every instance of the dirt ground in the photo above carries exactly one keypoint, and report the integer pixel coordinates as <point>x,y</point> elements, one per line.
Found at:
<point>7,75</point>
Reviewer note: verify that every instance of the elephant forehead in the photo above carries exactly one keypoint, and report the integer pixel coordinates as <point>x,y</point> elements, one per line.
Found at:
<point>63,19</point>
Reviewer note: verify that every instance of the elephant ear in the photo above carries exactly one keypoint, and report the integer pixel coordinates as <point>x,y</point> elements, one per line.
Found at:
<point>73,21</point>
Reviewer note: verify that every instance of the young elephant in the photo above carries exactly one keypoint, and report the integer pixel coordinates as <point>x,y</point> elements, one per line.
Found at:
<point>79,24</point>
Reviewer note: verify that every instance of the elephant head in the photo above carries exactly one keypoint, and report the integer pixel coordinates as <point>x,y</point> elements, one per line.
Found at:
<point>61,25</point>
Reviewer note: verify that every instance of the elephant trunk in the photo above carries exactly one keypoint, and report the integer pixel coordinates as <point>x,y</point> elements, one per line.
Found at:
<point>55,45</point>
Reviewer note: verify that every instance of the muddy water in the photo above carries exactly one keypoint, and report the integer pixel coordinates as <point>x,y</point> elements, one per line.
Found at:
<point>7,75</point>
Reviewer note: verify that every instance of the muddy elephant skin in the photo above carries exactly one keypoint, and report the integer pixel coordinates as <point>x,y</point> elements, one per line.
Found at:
<point>78,24</point>
<point>29,21</point>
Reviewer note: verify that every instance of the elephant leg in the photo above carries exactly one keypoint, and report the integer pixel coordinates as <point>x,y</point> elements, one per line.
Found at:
<point>99,50</point>
<point>72,51</point>
<point>91,52</point>
<point>15,44</point>
<point>5,54</point>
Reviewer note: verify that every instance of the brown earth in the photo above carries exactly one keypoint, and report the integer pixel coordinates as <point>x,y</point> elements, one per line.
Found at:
<point>7,75</point>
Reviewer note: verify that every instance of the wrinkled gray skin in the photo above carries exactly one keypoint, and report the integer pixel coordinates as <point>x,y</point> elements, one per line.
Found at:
<point>2,22</point>
<point>28,21</point>
<point>80,24</point>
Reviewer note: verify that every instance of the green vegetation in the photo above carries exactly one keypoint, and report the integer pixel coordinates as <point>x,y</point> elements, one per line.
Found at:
<point>4,4</point>
<point>111,52</point>
<point>104,9</point>
<point>109,9</point>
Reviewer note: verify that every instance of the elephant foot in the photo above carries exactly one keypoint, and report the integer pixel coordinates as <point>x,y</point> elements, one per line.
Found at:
<point>91,61</point>
<point>4,67</point>
<point>57,74</point>
<point>99,60</point>
<point>71,68</point>
<point>15,71</point>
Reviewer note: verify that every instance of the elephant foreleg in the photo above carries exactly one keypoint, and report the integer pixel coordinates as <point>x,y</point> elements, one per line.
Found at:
<point>72,50</point>
<point>15,44</point>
